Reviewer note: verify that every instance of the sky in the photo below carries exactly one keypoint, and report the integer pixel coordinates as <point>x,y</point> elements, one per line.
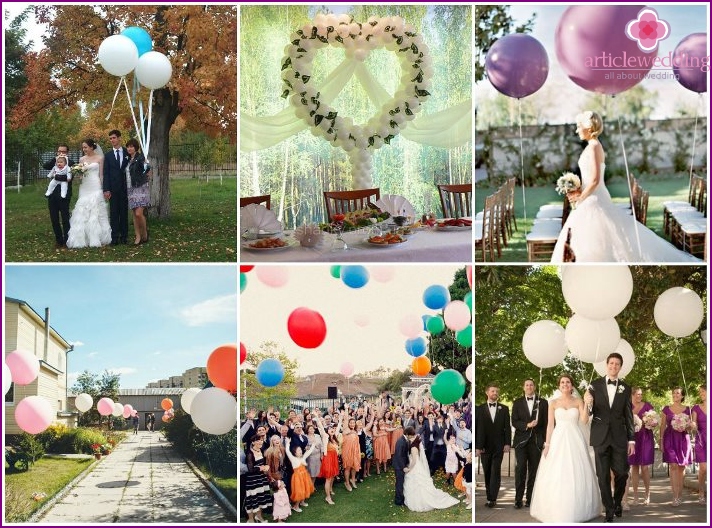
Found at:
<point>683,20</point>
<point>265,310</point>
<point>145,322</point>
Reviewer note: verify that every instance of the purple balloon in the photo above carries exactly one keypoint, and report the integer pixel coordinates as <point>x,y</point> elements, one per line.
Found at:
<point>594,51</point>
<point>688,59</point>
<point>517,65</point>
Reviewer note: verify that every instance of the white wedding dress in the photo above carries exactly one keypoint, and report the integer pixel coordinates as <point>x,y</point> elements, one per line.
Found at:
<point>566,488</point>
<point>89,224</point>
<point>420,493</point>
<point>603,232</point>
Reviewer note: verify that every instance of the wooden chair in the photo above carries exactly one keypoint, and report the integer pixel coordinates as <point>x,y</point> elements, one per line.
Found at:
<point>264,199</point>
<point>511,186</point>
<point>456,200</point>
<point>339,202</point>
<point>484,231</point>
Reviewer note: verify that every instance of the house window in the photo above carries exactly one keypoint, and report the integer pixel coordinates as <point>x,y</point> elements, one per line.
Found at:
<point>10,396</point>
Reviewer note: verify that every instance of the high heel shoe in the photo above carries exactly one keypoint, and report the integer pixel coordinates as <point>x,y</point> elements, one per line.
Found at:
<point>646,501</point>
<point>138,242</point>
<point>329,500</point>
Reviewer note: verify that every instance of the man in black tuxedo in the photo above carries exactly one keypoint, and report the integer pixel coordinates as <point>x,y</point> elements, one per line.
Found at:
<point>115,163</point>
<point>58,206</point>
<point>493,436</point>
<point>401,462</point>
<point>612,433</point>
<point>530,416</point>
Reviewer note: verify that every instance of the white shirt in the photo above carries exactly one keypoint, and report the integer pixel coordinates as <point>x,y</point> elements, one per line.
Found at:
<point>611,391</point>
<point>530,404</point>
<point>117,151</point>
<point>492,409</point>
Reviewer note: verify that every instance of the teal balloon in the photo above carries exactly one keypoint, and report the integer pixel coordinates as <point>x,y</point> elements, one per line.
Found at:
<point>354,276</point>
<point>425,319</point>
<point>464,336</point>
<point>416,347</point>
<point>436,297</point>
<point>140,37</point>
<point>468,300</point>
<point>243,282</point>
<point>448,386</point>
<point>335,272</point>
<point>270,372</point>
<point>436,325</point>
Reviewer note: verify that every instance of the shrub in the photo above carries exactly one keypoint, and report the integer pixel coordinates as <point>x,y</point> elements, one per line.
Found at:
<point>24,453</point>
<point>218,453</point>
<point>50,437</point>
<point>79,440</point>
<point>180,432</point>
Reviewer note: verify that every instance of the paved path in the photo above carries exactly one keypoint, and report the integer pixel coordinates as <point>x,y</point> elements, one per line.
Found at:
<point>658,511</point>
<point>143,481</point>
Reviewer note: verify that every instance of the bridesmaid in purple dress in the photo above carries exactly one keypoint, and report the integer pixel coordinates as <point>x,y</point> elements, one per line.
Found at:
<point>676,445</point>
<point>699,419</point>
<point>644,455</point>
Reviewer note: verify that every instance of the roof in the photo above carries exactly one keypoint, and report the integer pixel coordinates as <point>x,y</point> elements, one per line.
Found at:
<point>172,391</point>
<point>317,385</point>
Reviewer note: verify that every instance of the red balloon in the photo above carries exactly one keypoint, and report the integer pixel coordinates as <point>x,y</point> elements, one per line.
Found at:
<point>306,327</point>
<point>243,353</point>
<point>245,269</point>
<point>222,367</point>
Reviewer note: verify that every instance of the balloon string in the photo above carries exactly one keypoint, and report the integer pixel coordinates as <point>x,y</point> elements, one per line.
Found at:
<point>630,186</point>
<point>679,359</point>
<point>133,114</point>
<point>113,102</point>
<point>541,374</point>
<point>521,162</point>
<point>148,125</point>
<point>694,139</point>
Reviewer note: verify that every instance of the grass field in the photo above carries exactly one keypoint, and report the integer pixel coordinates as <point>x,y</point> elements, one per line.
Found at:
<point>202,227</point>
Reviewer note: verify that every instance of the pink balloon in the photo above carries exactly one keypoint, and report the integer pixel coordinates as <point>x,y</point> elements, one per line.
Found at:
<point>347,369</point>
<point>128,410</point>
<point>34,414</point>
<point>382,273</point>
<point>457,315</point>
<point>23,365</point>
<point>595,52</point>
<point>411,326</point>
<point>273,276</point>
<point>105,406</point>
<point>468,270</point>
<point>362,320</point>
<point>692,50</point>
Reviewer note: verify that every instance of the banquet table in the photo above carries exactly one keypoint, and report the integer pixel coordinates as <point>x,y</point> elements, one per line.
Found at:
<point>425,245</point>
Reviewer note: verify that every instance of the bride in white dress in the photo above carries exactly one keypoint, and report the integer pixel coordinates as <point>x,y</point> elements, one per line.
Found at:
<point>600,230</point>
<point>89,224</point>
<point>566,487</point>
<point>420,493</point>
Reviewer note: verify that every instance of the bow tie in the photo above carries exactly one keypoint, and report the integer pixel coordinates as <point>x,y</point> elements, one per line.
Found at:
<point>493,405</point>
<point>612,382</point>
<point>530,398</point>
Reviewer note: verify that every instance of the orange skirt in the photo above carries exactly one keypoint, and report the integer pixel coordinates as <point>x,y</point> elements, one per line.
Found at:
<point>459,484</point>
<point>394,438</point>
<point>329,464</point>
<point>351,452</point>
<point>302,486</point>
<point>381,449</point>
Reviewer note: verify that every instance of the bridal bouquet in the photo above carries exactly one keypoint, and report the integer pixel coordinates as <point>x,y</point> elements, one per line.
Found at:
<point>680,422</point>
<point>78,170</point>
<point>651,419</point>
<point>637,423</point>
<point>568,182</point>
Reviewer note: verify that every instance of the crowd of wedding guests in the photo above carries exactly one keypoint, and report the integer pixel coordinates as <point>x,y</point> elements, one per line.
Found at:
<point>284,459</point>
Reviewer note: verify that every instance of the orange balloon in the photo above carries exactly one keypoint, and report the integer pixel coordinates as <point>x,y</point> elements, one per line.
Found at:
<point>421,366</point>
<point>166,404</point>
<point>222,367</point>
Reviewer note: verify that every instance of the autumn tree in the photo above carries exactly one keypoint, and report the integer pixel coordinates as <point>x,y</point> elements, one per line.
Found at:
<point>199,40</point>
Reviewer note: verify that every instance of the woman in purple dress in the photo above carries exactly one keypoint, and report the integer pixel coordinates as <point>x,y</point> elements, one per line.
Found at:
<point>641,461</point>
<point>699,421</point>
<point>675,441</point>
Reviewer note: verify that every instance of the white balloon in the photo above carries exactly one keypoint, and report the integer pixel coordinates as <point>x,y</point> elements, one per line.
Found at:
<point>468,372</point>
<point>678,312</point>
<point>118,409</point>
<point>186,399</point>
<point>591,340</point>
<point>544,343</point>
<point>118,55</point>
<point>214,411</point>
<point>6,378</point>
<point>83,402</point>
<point>626,352</point>
<point>153,70</point>
<point>597,292</point>
<point>360,54</point>
<point>382,273</point>
<point>410,326</point>
<point>457,315</point>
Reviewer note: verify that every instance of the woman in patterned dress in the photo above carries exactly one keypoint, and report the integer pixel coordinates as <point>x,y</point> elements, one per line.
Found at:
<point>644,456</point>
<point>138,173</point>
<point>676,445</point>
<point>350,451</point>
<point>257,493</point>
<point>699,421</point>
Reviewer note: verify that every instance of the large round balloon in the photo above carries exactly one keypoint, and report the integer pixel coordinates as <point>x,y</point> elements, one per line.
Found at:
<point>335,272</point>
<point>421,366</point>
<point>273,276</point>
<point>544,343</point>
<point>347,369</point>
<point>626,352</point>
<point>140,38</point>
<point>593,49</point>
<point>222,367</point>
<point>591,340</point>
<point>118,55</point>
<point>186,399</point>
<point>153,70</point>
<point>678,312</point>
<point>362,319</point>
<point>270,372</point>
<point>468,270</point>
<point>6,378</point>
<point>448,386</point>
<point>597,292</point>
<point>410,326</point>
<point>416,347</point>
<point>24,366</point>
<point>464,336</point>
<point>436,325</point>
<point>468,372</point>
<point>306,327</point>
<point>436,297</point>
<point>382,273</point>
<point>354,276</point>
<point>128,411</point>
<point>83,402</point>
<point>246,269</point>
<point>468,300</point>
<point>34,414</point>
<point>105,406</point>
<point>214,411</point>
<point>688,61</point>
<point>167,403</point>
<point>457,315</point>
<point>243,353</point>
<point>118,410</point>
<point>517,65</point>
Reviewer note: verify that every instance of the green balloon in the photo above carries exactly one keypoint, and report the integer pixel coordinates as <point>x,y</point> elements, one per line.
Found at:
<point>468,300</point>
<point>435,325</point>
<point>336,272</point>
<point>464,336</point>
<point>448,386</point>
<point>243,282</point>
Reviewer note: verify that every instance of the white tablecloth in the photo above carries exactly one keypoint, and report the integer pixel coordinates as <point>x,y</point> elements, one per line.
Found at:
<point>428,245</point>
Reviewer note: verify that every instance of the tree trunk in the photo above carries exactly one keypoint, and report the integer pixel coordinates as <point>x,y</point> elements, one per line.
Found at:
<point>165,112</point>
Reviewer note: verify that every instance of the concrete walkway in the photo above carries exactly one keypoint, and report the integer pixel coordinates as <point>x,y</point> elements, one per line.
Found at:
<point>143,481</point>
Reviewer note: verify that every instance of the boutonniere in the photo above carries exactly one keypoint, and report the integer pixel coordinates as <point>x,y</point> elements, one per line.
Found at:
<point>621,388</point>
<point>499,407</point>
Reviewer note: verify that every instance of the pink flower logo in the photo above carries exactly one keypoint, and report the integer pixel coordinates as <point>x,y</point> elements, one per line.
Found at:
<point>647,30</point>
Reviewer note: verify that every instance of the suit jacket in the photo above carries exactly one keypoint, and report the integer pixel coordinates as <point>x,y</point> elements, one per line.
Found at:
<point>401,453</point>
<point>521,417</point>
<point>115,174</point>
<point>611,424</point>
<point>492,436</point>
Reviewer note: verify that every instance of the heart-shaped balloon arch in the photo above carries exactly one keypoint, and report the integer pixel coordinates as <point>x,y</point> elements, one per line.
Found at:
<point>358,39</point>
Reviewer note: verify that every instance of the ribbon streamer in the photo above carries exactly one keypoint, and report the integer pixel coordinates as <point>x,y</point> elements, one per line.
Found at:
<point>113,102</point>
<point>521,162</point>
<point>630,187</point>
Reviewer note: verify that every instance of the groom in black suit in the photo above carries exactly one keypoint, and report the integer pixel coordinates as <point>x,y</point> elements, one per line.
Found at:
<point>115,163</point>
<point>401,462</point>
<point>530,416</point>
<point>612,433</point>
<point>493,436</point>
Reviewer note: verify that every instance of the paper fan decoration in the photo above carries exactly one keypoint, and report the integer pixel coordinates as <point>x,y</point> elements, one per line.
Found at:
<point>258,217</point>
<point>395,205</point>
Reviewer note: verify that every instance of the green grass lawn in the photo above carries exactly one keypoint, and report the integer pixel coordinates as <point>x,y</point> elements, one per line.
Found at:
<point>47,476</point>
<point>202,227</point>
<point>660,187</point>
<point>228,487</point>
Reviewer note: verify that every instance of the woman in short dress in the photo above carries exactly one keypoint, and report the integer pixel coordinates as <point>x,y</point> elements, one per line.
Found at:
<point>641,461</point>
<point>330,461</point>
<point>137,174</point>
<point>350,451</point>
<point>381,447</point>
<point>699,421</point>
<point>257,492</point>
<point>676,445</point>
<point>302,486</point>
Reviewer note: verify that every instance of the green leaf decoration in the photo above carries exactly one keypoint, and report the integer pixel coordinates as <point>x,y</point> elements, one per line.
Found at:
<point>304,101</point>
<point>318,119</point>
<point>285,94</point>
<point>370,141</point>
<point>312,113</point>
<point>393,124</point>
<point>408,111</point>
<point>394,111</point>
<point>403,50</point>
<point>339,39</point>
<point>421,93</point>
<point>295,42</point>
<point>331,115</point>
<point>414,48</point>
<point>286,63</point>
<point>387,139</point>
<point>301,50</point>
<point>305,79</point>
<point>410,34</point>
<point>313,33</point>
<point>418,78</point>
<point>399,40</point>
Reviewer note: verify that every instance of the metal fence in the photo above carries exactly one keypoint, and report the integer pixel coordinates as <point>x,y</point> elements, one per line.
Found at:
<point>283,405</point>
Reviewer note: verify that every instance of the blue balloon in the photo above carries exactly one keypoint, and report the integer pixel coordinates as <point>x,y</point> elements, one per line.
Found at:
<point>426,318</point>
<point>270,372</point>
<point>140,37</point>
<point>354,276</point>
<point>436,297</point>
<point>416,346</point>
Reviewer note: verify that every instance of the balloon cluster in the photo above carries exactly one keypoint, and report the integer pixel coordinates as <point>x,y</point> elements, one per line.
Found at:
<point>131,51</point>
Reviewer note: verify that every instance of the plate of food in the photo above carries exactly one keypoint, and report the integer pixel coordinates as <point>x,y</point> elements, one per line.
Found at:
<point>247,235</point>
<point>267,244</point>
<point>454,224</point>
<point>387,240</point>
